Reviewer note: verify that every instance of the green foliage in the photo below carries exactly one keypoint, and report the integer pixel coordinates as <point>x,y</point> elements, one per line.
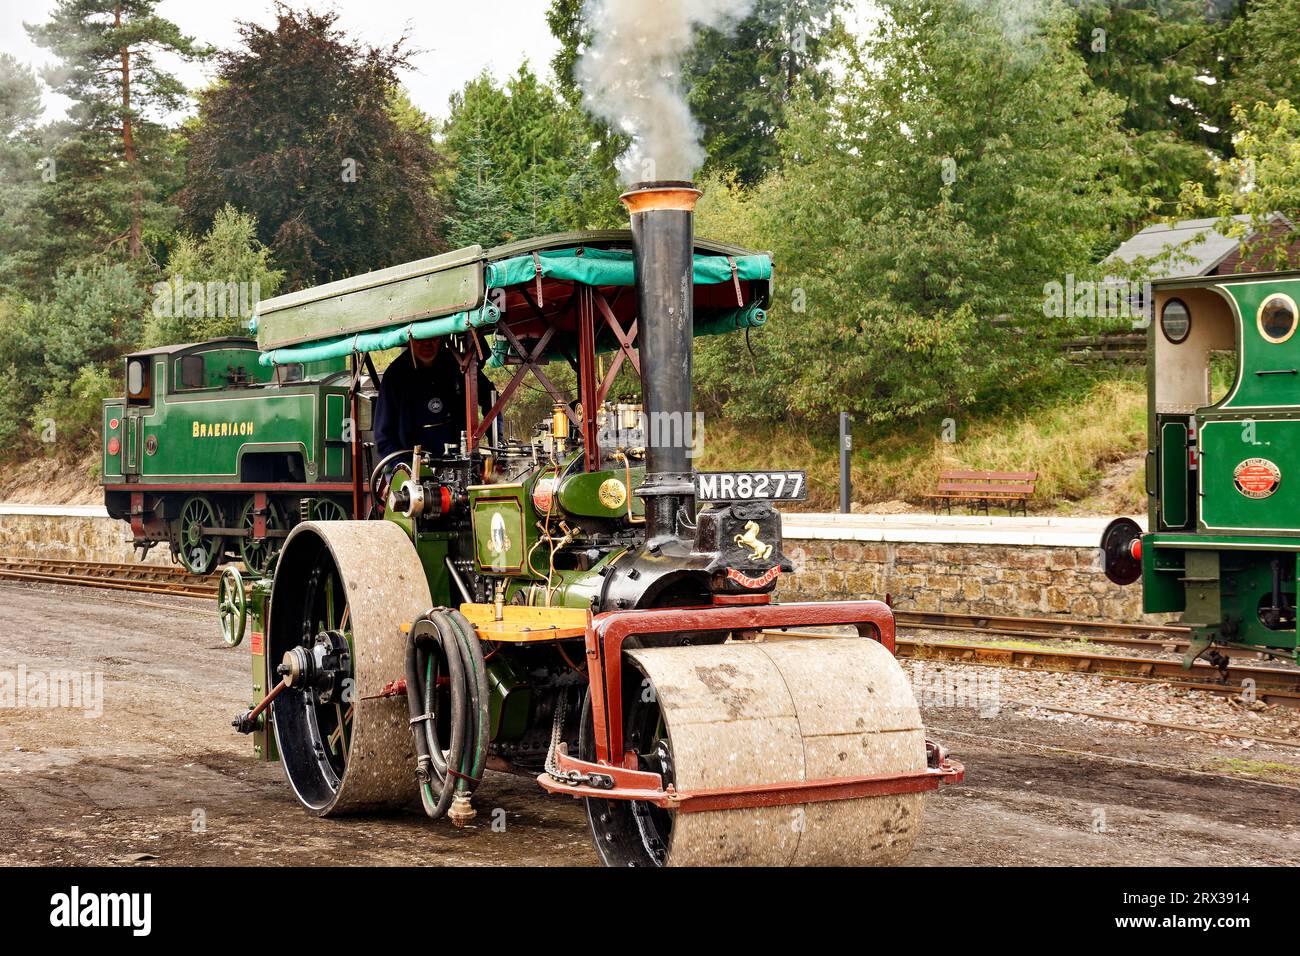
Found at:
<point>919,216</point>
<point>56,349</point>
<point>67,418</point>
<point>1155,55</point>
<point>1261,180</point>
<point>113,158</point>
<point>21,223</point>
<point>525,163</point>
<point>1267,69</point>
<point>229,253</point>
<point>741,81</point>
<point>302,130</point>
<point>94,316</point>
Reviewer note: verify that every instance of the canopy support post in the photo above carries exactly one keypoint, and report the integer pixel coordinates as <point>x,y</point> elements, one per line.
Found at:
<point>587,388</point>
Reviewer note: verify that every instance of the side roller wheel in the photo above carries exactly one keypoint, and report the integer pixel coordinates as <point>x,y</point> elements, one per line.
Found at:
<point>341,593</point>
<point>257,553</point>
<point>232,605</point>
<point>200,549</point>
<point>741,714</point>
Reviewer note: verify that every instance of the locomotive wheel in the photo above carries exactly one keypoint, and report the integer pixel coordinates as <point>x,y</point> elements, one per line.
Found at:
<point>199,550</point>
<point>326,509</point>
<point>257,554</point>
<point>341,593</point>
<point>742,714</point>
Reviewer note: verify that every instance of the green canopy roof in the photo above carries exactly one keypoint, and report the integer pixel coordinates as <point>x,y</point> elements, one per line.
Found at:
<point>453,293</point>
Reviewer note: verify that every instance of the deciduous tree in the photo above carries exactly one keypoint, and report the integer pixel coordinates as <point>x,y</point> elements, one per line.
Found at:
<point>304,130</point>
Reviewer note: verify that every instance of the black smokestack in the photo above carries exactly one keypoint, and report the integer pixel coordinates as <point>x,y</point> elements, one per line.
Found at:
<point>663,247</point>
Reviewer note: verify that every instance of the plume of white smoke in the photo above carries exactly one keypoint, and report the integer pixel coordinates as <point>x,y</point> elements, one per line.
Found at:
<point>631,77</point>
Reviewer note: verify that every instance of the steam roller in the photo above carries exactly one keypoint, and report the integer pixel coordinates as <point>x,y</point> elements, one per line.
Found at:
<point>584,607</point>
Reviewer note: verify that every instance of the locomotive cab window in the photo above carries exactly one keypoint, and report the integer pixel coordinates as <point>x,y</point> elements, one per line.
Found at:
<point>1276,318</point>
<point>190,372</point>
<point>137,379</point>
<point>1194,349</point>
<point>1175,321</point>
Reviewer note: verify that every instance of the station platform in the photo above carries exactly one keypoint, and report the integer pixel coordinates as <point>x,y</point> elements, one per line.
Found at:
<point>1035,530</point>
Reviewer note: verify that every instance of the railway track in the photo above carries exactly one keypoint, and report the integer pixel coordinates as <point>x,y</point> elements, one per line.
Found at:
<point>110,575</point>
<point>1270,684</point>
<point>1165,636</point>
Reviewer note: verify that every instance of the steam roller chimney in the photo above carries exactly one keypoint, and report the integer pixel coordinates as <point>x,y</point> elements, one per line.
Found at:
<point>663,248</point>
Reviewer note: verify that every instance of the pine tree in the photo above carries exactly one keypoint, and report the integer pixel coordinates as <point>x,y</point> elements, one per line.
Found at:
<point>110,167</point>
<point>543,158</point>
<point>1165,60</point>
<point>21,222</point>
<point>480,210</point>
<point>1270,71</point>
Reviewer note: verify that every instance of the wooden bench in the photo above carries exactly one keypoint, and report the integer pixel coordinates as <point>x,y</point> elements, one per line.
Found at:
<point>977,488</point>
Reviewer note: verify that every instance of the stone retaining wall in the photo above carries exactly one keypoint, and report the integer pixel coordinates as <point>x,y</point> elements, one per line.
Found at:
<point>71,538</point>
<point>962,578</point>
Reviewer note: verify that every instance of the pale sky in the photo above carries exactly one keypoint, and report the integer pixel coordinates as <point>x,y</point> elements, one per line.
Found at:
<point>457,39</point>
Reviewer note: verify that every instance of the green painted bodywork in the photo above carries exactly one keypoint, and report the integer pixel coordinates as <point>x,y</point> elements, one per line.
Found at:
<point>212,431</point>
<point>580,494</point>
<point>1210,553</point>
<point>504,528</point>
<point>437,286</point>
<point>256,591</point>
<point>509,701</point>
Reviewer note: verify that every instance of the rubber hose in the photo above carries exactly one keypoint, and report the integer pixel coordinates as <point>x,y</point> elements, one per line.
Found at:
<point>474,714</point>
<point>478,668</point>
<point>426,640</point>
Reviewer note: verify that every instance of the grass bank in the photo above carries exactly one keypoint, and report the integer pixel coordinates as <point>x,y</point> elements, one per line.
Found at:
<point>1086,446</point>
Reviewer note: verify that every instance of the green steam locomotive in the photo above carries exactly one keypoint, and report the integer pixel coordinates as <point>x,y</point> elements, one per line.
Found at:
<point>1223,466</point>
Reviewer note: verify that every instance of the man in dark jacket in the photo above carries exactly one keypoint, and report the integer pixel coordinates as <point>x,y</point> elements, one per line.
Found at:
<point>422,400</point>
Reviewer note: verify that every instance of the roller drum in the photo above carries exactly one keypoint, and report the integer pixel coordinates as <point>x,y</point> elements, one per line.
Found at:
<point>757,713</point>
<point>385,587</point>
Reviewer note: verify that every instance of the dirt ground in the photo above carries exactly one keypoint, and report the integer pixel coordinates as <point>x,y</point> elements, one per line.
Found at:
<point>160,777</point>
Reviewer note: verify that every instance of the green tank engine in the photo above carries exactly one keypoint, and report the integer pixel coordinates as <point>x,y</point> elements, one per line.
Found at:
<point>1223,465</point>
<point>218,456</point>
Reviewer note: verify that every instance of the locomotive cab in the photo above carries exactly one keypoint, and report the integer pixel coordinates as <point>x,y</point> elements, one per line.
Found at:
<point>213,453</point>
<point>1223,466</point>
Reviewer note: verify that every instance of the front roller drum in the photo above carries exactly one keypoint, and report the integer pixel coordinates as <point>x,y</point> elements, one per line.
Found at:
<point>341,594</point>
<point>735,716</point>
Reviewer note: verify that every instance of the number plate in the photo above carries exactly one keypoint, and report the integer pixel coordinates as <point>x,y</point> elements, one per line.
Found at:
<point>751,486</point>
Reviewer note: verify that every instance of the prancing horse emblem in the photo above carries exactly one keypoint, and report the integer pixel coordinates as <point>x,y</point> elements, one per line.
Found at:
<point>758,551</point>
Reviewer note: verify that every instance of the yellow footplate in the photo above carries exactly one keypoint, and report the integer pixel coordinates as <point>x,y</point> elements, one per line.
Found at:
<point>523,624</point>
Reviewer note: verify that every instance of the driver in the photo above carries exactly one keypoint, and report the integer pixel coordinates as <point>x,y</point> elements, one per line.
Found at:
<point>422,400</point>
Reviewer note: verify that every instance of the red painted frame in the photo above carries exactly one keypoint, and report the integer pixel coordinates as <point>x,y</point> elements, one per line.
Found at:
<point>606,633</point>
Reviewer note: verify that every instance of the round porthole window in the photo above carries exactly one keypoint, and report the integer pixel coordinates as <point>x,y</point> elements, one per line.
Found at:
<point>1175,320</point>
<point>1277,318</point>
